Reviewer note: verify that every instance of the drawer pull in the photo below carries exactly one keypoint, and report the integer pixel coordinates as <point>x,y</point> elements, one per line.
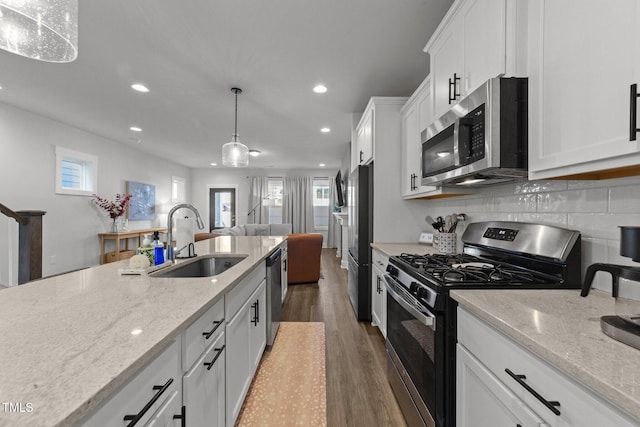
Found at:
<point>218,353</point>
<point>551,405</point>
<point>182,417</point>
<point>135,418</point>
<point>217,324</point>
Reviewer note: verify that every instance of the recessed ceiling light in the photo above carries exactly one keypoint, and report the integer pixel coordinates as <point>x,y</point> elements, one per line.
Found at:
<point>320,89</point>
<point>140,87</point>
<point>214,164</point>
<point>325,130</point>
<point>254,153</point>
<point>136,128</point>
<point>0,87</point>
<point>322,165</point>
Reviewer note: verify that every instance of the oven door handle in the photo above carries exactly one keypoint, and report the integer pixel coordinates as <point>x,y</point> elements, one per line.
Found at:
<point>425,318</point>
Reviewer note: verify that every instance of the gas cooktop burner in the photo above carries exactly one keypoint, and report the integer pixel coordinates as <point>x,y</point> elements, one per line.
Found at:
<point>464,269</point>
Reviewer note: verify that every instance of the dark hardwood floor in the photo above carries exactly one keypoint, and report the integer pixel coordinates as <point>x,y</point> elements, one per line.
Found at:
<point>358,393</point>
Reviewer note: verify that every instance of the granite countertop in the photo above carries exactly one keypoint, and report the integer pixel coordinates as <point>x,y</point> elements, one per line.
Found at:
<point>68,342</point>
<point>563,328</point>
<point>394,249</point>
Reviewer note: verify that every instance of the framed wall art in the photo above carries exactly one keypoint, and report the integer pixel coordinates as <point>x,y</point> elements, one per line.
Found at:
<point>142,205</point>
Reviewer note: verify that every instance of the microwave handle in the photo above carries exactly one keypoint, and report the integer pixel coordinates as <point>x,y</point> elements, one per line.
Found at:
<point>462,140</point>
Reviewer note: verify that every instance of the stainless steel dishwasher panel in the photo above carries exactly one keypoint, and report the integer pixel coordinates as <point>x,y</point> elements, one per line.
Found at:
<point>274,294</point>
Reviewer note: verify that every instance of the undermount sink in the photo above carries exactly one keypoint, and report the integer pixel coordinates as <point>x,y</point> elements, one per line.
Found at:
<point>204,266</point>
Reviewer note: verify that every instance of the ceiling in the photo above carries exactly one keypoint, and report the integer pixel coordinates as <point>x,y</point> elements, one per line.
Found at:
<point>190,54</point>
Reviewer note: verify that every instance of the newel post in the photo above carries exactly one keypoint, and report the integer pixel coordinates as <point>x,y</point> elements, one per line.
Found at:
<point>30,246</point>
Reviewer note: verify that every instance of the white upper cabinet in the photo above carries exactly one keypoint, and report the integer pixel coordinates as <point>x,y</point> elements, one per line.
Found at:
<point>583,58</point>
<point>416,116</point>
<point>365,138</point>
<point>477,40</point>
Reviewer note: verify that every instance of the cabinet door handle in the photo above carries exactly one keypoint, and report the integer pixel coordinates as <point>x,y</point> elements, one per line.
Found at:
<point>218,351</point>
<point>453,83</point>
<point>182,417</point>
<point>378,284</point>
<point>135,418</point>
<point>285,264</point>
<point>551,405</point>
<point>217,324</point>
<point>257,311</point>
<point>633,107</point>
<point>255,315</point>
<point>361,154</point>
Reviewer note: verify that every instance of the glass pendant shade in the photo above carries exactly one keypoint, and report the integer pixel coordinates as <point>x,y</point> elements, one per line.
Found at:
<point>235,154</point>
<point>42,30</point>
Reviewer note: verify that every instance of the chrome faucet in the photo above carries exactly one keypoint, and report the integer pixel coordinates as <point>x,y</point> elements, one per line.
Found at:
<point>171,255</point>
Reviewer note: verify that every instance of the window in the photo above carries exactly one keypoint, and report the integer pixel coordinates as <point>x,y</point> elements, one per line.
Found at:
<point>76,172</point>
<point>177,189</point>
<point>321,203</point>
<point>273,203</point>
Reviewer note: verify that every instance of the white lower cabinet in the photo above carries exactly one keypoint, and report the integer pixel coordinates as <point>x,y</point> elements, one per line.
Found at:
<point>246,340</point>
<point>501,384</point>
<point>204,387</point>
<point>284,280</point>
<point>144,394</point>
<point>379,291</point>
<point>483,401</point>
<point>170,413</point>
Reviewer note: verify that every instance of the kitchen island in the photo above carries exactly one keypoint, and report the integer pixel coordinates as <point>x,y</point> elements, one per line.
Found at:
<point>70,341</point>
<point>562,329</point>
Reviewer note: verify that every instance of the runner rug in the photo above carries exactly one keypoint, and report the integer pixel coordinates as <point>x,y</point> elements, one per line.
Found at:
<point>289,388</point>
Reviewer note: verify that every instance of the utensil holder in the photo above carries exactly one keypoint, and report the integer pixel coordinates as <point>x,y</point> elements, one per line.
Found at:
<point>447,243</point>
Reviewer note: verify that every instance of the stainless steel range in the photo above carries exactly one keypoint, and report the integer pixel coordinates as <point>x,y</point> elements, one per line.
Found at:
<point>421,317</point>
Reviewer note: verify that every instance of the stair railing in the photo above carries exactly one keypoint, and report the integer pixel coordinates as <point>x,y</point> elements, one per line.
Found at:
<point>29,242</point>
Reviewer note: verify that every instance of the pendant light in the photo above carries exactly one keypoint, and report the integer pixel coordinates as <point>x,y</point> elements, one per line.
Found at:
<point>234,153</point>
<point>42,30</point>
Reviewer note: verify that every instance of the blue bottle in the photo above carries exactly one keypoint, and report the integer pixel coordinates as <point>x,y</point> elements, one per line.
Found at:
<point>158,250</point>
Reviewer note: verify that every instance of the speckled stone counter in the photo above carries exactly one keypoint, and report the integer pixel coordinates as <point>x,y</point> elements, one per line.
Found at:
<point>563,328</point>
<point>394,249</point>
<point>69,342</point>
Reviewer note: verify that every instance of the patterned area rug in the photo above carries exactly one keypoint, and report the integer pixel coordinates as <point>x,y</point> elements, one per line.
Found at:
<point>289,388</point>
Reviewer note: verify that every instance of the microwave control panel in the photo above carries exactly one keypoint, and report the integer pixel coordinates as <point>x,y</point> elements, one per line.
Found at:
<point>472,136</point>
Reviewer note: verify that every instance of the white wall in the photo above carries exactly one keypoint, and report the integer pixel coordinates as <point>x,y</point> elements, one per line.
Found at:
<point>71,224</point>
<point>595,208</point>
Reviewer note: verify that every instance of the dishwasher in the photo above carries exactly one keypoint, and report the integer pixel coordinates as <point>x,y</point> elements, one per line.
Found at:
<point>274,295</point>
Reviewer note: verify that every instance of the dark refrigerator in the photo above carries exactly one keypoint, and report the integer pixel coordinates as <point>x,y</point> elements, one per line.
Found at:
<point>360,208</point>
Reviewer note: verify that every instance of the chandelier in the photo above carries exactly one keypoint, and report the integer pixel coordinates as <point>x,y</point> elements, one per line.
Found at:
<point>42,30</point>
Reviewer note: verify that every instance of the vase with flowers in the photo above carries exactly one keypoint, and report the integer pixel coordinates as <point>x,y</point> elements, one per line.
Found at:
<point>115,208</point>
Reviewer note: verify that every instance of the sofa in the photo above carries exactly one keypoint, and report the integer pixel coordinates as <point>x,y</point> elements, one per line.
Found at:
<point>255,230</point>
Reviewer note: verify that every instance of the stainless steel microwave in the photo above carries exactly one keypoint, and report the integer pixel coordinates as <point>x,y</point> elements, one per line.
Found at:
<point>481,140</point>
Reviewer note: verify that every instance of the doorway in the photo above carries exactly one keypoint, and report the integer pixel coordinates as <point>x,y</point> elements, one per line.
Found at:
<point>222,208</point>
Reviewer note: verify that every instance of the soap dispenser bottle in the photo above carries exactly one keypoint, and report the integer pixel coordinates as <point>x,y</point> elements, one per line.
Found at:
<point>158,249</point>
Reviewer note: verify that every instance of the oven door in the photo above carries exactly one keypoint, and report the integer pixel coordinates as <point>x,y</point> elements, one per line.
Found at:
<point>411,334</point>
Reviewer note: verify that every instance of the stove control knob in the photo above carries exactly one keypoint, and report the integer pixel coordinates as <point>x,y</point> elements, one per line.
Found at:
<point>423,294</point>
<point>392,270</point>
<point>413,287</point>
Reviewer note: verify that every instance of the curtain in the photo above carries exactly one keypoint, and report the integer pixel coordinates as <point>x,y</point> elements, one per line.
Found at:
<point>257,193</point>
<point>331,232</point>
<point>297,203</point>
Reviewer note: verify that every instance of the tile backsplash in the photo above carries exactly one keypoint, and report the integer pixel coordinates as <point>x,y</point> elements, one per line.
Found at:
<point>595,208</point>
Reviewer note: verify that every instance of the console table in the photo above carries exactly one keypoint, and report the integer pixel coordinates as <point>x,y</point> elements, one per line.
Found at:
<point>126,235</point>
